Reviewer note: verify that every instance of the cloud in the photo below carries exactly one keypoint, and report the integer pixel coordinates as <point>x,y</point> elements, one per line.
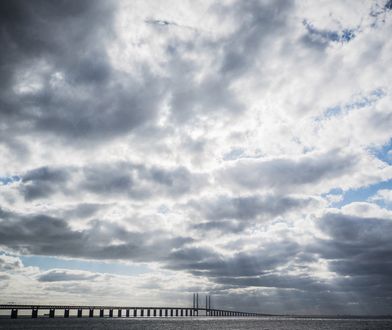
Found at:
<point>357,246</point>
<point>9,263</point>
<point>208,140</point>
<point>61,275</point>
<point>260,23</point>
<point>201,261</point>
<point>384,195</point>
<point>286,174</point>
<point>43,182</point>
<point>58,79</point>
<point>249,207</point>
<point>110,179</point>
<point>41,234</point>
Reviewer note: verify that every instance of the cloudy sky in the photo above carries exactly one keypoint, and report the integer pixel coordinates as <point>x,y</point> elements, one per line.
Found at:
<point>152,149</point>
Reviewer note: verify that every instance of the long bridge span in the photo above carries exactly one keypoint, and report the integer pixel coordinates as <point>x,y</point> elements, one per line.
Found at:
<point>52,311</point>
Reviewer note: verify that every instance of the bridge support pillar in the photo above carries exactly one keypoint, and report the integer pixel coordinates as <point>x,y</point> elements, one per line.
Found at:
<point>160,312</point>
<point>110,312</point>
<point>51,312</point>
<point>14,313</point>
<point>176,311</point>
<point>171,312</point>
<point>66,313</point>
<point>155,312</point>
<point>182,312</point>
<point>135,312</point>
<point>101,312</point>
<point>91,313</point>
<point>186,312</point>
<point>119,313</point>
<point>148,312</point>
<point>127,313</point>
<point>142,312</point>
<point>34,313</point>
<point>166,312</point>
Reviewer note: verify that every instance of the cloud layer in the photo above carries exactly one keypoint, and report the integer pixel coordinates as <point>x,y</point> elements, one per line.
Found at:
<point>236,148</point>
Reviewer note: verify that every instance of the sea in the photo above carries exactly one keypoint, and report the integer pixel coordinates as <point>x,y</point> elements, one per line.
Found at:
<point>264,323</point>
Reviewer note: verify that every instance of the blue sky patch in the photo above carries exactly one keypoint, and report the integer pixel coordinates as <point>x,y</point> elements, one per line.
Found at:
<point>5,180</point>
<point>358,102</point>
<point>384,153</point>
<point>361,194</point>
<point>326,36</point>
<point>46,263</point>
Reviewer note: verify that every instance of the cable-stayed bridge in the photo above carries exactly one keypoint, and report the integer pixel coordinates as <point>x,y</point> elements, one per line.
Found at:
<point>67,311</point>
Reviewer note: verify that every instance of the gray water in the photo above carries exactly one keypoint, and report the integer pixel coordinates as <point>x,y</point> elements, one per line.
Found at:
<point>271,323</point>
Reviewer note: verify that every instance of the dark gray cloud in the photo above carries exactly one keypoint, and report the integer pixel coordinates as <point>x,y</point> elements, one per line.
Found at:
<point>43,182</point>
<point>284,174</point>
<point>110,179</point>
<point>357,250</point>
<point>260,22</point>
<point>82,210</point>
<point>41,234</point>
<point>203,262</point>
<point>57,78</point>
<point>358,246</point>
<point>107,179</point>
<point>191,98</point>
<point>61,275</point>
<point>248,207</point>
<point>279,281</point>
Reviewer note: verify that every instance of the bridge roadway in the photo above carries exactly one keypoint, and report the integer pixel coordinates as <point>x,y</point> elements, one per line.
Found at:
<point>136,311</point>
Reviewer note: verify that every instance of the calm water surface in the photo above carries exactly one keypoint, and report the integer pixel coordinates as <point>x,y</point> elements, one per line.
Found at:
<point>276,323</point>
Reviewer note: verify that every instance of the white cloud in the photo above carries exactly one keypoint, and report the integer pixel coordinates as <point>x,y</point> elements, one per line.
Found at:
<point>384,195</point>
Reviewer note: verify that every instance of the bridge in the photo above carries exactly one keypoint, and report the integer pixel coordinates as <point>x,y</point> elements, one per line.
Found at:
<point>125,311</point>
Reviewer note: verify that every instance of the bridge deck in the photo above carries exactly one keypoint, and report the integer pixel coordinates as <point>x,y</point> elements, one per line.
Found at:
<point>158,311</point>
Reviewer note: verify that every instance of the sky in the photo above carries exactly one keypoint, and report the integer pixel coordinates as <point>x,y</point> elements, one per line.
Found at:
<point>153,149</point>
